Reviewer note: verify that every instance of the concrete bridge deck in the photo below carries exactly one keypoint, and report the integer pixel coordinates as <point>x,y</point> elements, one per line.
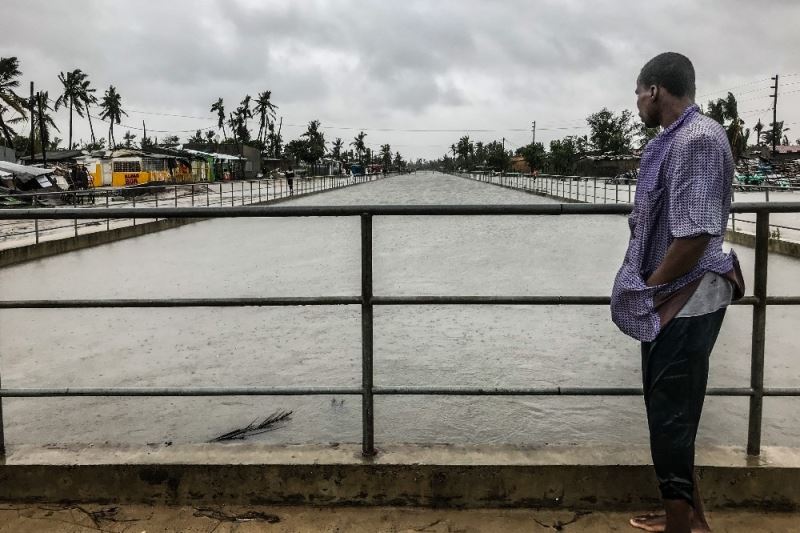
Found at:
<point>158,518</point>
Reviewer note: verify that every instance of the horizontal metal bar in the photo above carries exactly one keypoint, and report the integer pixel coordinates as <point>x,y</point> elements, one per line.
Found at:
<point>178,391</point>
<point>491,300</point>
<point>552,391</point>
<point>352,391</point>
<point>357,210</point>
<point>182,302</point>
<point>782,391</point>
<point>344,300</point>
<point>783,300</point>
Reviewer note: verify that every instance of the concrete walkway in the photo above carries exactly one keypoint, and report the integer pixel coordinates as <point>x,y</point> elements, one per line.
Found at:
<point>44,518</point>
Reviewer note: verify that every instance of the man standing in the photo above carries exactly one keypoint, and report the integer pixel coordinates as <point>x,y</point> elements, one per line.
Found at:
<point>675,282</point>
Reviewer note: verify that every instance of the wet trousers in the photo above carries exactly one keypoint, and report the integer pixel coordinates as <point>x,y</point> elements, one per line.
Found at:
<point>674,376</point>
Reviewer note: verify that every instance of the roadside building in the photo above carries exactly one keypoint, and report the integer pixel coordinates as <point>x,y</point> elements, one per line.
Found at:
<point>56,157</point>
<point>782,153</point>
<point>606,165</point>
<point>129,167</point>
<point>518,164</point>
<point>251,157</point>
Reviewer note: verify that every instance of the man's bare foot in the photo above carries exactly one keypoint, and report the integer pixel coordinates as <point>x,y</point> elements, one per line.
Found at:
<point>657,522</point>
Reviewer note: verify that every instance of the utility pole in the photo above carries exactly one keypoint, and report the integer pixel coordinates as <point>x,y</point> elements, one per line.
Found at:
<point>775,133</point>
<point>144,134</point>
<point>31,111</point>
<point>533,133</point>
<point>42,127</point>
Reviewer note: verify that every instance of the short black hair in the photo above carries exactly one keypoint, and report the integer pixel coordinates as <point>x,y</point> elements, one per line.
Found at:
<point>672,71</point>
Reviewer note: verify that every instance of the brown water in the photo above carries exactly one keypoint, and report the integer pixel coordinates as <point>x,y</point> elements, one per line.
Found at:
<point>502,346</point>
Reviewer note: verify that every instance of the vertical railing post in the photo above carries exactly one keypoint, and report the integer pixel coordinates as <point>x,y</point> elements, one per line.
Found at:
<point>192,193</point>
<point>759,334</point>
<point>367,407</point>
<point>36,222</point>
<point>2,433</point>
<point>108,220</point>
<point>176,196</point>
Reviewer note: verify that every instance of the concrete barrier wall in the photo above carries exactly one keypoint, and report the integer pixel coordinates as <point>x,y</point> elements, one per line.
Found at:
<point>30,252</point>
<point>579,477</point>
<point>777,246</point>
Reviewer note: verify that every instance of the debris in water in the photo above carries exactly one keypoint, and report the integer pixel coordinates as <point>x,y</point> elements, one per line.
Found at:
<point>270,423</point>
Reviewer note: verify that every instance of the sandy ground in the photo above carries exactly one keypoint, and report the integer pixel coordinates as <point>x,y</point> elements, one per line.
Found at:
<point>47,518</point>
<point>498,346</point>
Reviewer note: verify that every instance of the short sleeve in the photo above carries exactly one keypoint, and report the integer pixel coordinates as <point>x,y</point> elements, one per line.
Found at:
<point>697,192</point>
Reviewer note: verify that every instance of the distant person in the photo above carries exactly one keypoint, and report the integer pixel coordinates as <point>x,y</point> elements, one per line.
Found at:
<point>84,176</point>
<point>74,177</point>
<point>290,179</point>
<point>675,282</point>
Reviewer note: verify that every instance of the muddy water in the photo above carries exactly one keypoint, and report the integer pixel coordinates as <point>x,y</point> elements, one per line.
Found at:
<point>503,346</point>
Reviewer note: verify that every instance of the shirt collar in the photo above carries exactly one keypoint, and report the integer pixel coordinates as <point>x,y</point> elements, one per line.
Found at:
<point>689,111</point>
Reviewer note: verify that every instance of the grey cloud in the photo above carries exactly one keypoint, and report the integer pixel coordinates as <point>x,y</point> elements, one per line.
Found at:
<point>444,64</point>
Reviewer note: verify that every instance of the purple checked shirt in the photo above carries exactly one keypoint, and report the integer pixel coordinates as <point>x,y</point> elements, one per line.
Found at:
<point>683,190</point>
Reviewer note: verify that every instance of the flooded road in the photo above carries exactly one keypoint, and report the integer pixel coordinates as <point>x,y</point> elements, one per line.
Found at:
<point>490,346</point>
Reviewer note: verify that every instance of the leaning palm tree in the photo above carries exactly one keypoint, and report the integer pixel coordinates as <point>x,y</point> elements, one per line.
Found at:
<point>219,107</point>
<point>265,110</point>
<point>358,144</point>
<point>9,100</point>
<point>75,86</point>
<point>112,111</point>
<point>87,98</point>
<point>6,125</point>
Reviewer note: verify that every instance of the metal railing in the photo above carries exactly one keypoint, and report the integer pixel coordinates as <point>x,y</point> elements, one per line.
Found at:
<point>367,300</point>
<point>237,192</point>
<point>590,189</point>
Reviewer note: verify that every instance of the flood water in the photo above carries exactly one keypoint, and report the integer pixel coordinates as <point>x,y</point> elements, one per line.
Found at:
<point>490,346</point>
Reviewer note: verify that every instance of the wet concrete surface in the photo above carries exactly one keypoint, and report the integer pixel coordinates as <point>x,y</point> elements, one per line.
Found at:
<point>493,346</point>
<point>46,518</point>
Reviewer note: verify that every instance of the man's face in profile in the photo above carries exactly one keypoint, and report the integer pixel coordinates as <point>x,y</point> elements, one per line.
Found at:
<point>646,105</point>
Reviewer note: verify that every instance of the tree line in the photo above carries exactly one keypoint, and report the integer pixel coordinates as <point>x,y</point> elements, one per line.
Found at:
<point>251,123</point>
<point>610,133</point>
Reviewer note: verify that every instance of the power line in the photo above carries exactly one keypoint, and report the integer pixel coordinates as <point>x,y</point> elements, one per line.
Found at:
<point>732,88</point>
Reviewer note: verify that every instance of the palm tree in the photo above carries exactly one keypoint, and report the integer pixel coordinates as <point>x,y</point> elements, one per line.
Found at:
<point>76,94</point>
<point>386,155</point>
<point>759,127</point>
<point>128,138</point>
<point>266,114</point>
<point>246,113</point>
<point>358,144</point>
<point>336,148</point>
<point>112,111</point>
<point>219,107</point>
<point>316,141</point>
<point>42,120</point>
<point>9,72</point>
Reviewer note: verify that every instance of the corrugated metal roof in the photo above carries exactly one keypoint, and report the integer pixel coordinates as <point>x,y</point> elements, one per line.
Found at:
<point>14,168</point>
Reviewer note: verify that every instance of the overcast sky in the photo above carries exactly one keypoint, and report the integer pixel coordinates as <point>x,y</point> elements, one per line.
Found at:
<point>386,66</point>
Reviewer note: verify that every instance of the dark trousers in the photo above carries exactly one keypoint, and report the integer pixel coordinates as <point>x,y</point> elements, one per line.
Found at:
<point>674,375</point>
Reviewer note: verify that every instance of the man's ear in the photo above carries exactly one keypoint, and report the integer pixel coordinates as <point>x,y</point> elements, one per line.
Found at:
<point>654,92</point>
